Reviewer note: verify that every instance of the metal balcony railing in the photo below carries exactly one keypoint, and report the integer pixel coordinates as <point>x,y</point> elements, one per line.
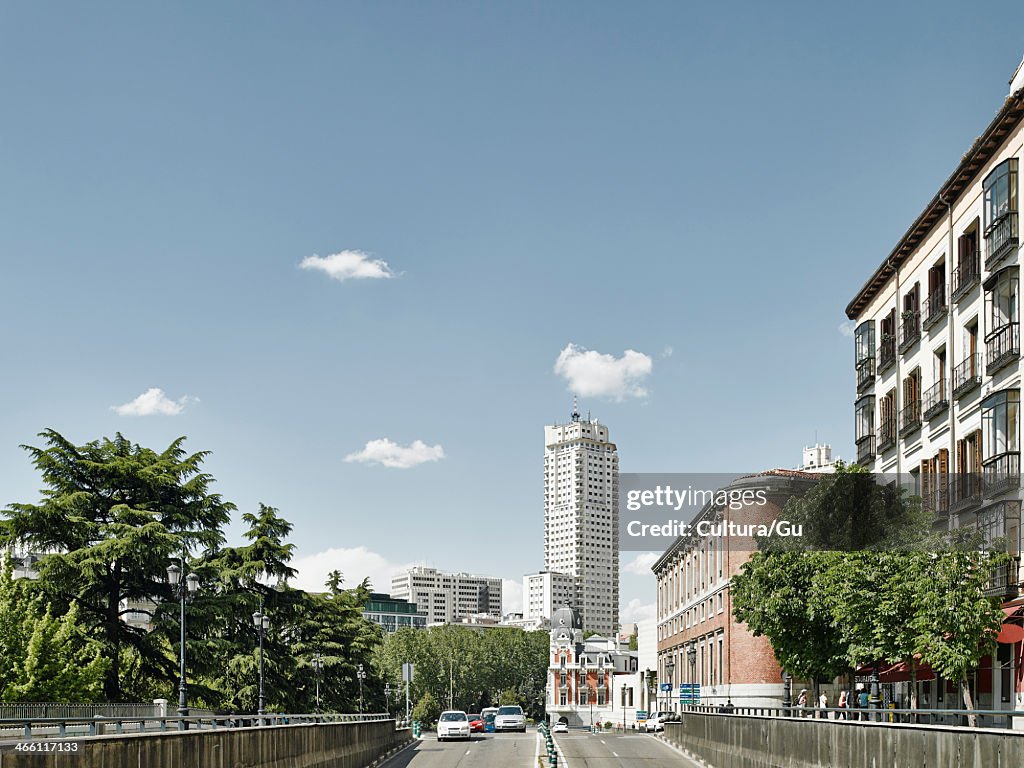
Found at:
<point>865,449</point>
<point>1002,238</point>
<point>886,435</point>
<point>1001,473</point>
<point>967,375</point>
<point>936,499</point>
<point>886,353</point>
<point>934,307</point>
<point>910,329</point>
<point>1005,581</point>
<point>966,276</point>
<point>964,491</point>
<point>910,418</point>
<point>865,373</point>
<point>1002,347</point>
<point>935,400</point>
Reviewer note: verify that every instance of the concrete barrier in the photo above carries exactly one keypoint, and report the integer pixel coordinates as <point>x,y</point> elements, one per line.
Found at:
<point>312,745</point>
<point>739,741</point>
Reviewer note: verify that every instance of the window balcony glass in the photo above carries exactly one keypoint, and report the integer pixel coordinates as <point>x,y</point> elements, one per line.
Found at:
<point>1002,347</point>
<point>865,449</point>
<point>1001,473</point>
<point>936,400</point>
<point>1005,581</point>
<point>966,276</point>
<point>910,329</point>
<point>865,374</point>
<point>1002,238</point>
<point>967,375</point>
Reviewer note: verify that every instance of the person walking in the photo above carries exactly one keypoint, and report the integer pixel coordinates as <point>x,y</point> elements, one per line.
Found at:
<point>843,703</point>
<point>801,702</point>
<point>823,705</point>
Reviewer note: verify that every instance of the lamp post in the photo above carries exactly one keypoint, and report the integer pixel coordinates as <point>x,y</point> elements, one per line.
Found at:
<point>318,670</point>
<point>183,590</point>
<point>691,656</point>
<point>361,674</point>
<point>262,623</point>
<point>787,693</point>
<point>387,696</point>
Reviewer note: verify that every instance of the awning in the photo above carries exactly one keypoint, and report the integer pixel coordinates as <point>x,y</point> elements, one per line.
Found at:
<point>897,672</point>
<point>1012,630</point>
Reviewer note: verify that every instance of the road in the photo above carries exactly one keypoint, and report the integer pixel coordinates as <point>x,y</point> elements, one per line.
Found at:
<point>517,750</point>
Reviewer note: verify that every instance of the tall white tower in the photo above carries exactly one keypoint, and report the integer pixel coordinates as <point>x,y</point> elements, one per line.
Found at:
<point>581,517</point>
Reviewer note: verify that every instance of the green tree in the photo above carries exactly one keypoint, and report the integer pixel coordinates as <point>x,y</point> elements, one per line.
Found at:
<point>427,710</point>
<point>112,514</point>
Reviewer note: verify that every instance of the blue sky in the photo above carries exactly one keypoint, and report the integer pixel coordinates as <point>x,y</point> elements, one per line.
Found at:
<point>714,181</point>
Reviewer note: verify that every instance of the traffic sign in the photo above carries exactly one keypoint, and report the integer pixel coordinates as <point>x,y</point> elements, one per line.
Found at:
<point>689,693</point>
<point>666,686</point>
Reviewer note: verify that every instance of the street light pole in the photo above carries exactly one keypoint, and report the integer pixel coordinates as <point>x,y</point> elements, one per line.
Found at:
<point>361,674</point>
<point>262,623</point>
<point>691,655</point>
<point>318,668</point>
<point>670,667</point>
<point>183,590</point>
<point>787,693</point>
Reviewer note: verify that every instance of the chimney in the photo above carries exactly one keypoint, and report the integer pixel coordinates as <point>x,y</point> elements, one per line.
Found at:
<point>1017,81</point>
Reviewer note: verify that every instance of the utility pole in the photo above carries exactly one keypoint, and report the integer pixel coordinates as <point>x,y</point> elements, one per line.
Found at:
<point>361,673</point>
<point>451,683</point>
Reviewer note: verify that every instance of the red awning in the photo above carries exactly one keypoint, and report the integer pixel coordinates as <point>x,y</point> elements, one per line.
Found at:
<point>898,672</point>
<point>1012,631</point>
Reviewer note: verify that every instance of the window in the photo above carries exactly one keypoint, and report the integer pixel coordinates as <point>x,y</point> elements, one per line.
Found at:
<point>600,697</point>
<point>583,696</point>
<point>1001,299</point>
<point>562,699</point>
<point>865,418</point>
<point>864,346</point>
<point>1000,194</point>
<point>999,423</point>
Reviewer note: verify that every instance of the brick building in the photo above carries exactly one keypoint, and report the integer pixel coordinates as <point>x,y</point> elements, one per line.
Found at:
<point>694,608</point>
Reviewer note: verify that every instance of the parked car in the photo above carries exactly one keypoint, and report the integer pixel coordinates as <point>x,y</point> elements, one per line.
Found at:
<point>510,718</point>
<point>476,723</point>
<point>453,724</point>
<point>656,722</point>
<point>488,714</point>
<point>560,727</point>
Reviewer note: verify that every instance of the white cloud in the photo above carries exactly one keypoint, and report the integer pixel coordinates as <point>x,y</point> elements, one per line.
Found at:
<point>593,374</point>
<point>847,328</point>
<point>511,596</point>
<point>355,564</point>
<point>348,265</point>
<point>641,564</point>
<point>390,454</point>
<point>667,351</point>
<point>637,610</point>
<point>153,402</point>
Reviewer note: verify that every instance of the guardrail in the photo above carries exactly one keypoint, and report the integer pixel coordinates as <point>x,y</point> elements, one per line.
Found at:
<point>988,718</point>
<point>21,729</point>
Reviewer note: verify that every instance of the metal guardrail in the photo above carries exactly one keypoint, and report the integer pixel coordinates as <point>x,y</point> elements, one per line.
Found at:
<point>22,729</point>
<point>1000,718</point>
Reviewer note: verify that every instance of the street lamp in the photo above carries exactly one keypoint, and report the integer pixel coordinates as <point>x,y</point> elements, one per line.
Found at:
<point>787,692</point>
<point>318,670</point>
<point>183,591</point>
<point>387,696</point>
<point>361,674</point>
<point>670,666</point>
<point>262,623</point>
<point>691,656</point>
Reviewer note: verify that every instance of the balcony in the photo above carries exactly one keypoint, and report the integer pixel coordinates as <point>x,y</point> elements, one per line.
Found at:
<point>934,308</point>
<point>936,500</point>
<point>964,492</point>
<point>935,400</point>
<point>865,449</point>
<point>865,373</point>
<point>886,353</point>
<point>1001,473</point>
<point>910,418</point>
<point>967,376</point>
<point>886,436</point>
<point>1005,581</point>
<point>1002,347</point>
<point>966,276</point>
<point>1002,239</point>
<point>910,329</point>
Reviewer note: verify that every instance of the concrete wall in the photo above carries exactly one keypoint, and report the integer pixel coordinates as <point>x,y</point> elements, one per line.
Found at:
<point>328,745</point>
<point>735,741</point>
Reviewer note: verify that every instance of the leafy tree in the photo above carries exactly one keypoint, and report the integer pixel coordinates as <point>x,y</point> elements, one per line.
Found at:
<point>427,710</point>
<point>112,514</point>
<point>44,657</point>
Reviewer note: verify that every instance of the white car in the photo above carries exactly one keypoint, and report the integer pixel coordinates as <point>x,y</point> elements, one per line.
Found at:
<point>510,718</point>
<point>560,727</point>
<point>453,724</point>
<point>656,722</point>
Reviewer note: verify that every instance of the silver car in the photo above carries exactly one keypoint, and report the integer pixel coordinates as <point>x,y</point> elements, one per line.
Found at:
<point>510,718</point>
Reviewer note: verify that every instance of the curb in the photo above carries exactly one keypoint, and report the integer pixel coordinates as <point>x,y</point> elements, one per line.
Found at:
<point>387,756</point>
<point>685,753</point>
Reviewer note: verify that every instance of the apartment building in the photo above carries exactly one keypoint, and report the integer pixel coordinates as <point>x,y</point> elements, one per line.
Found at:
<point>581,526</point>
<point>445,598</point>
<point>698,640</point>
<point>392,613</point>
<point>937,358</point>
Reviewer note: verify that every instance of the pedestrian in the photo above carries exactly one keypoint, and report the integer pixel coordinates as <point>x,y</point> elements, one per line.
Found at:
<point>823,705</point>
<point>801,702</point>
<point>862,700</point>
<point>843,703</point>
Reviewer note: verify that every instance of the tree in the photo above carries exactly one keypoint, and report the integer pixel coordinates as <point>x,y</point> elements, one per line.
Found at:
<point>111,516</point>
<point>44,657</point>
<point>427,710</point>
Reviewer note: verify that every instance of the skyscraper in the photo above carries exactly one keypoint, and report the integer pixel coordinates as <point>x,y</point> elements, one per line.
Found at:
<point>581,520</point>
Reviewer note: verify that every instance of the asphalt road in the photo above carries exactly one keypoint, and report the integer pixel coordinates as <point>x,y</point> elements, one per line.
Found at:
<point>628,750</point>
<point>517,750</point>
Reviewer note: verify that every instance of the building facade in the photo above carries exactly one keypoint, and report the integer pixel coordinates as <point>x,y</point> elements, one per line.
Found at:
<point>447,597</point>
<point>590,681</point>
<point>581,526</point>
<point>937,361</point>
<point>698,639</point>
<point>393,613</point>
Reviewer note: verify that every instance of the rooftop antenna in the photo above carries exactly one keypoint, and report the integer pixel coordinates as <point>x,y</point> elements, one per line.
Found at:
<point>575,410</point>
